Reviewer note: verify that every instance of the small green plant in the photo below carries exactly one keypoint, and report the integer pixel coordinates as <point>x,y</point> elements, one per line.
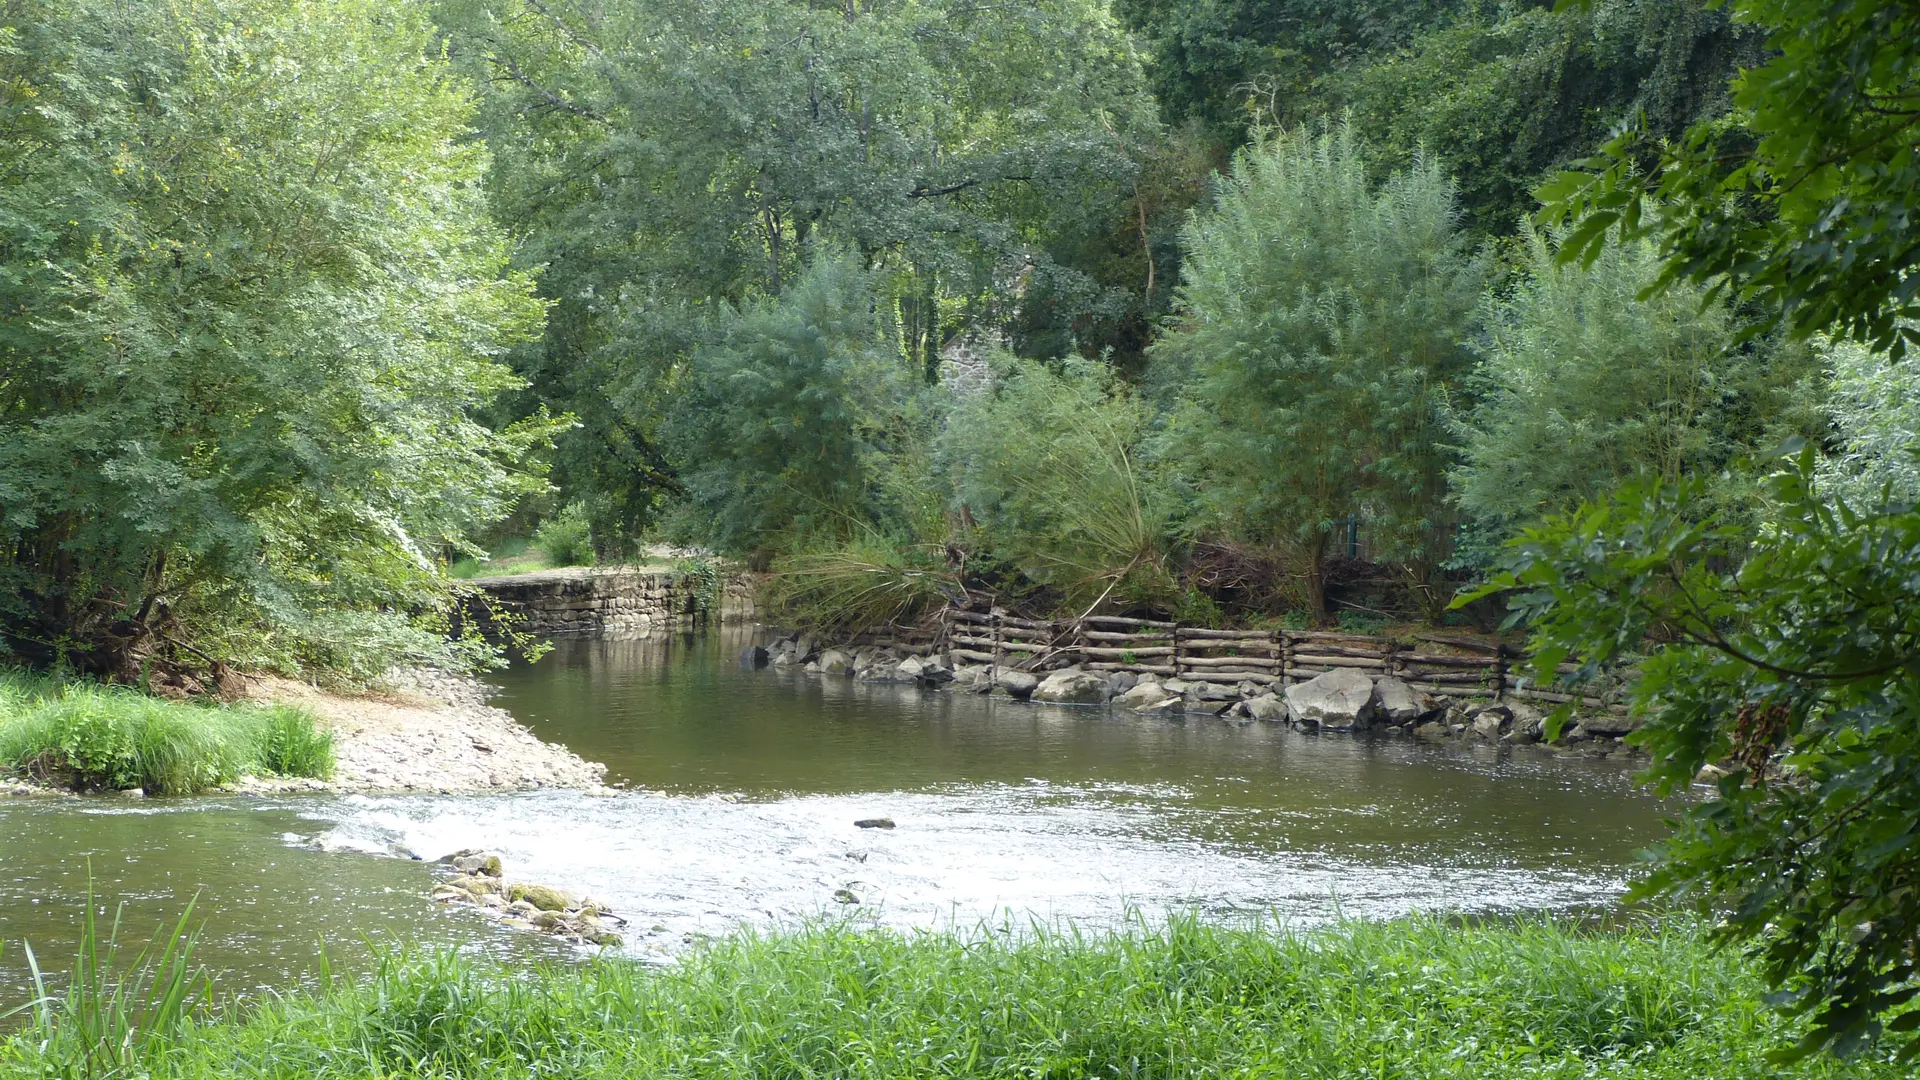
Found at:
<point>294,744</point>
<point>1362,622</point>
<point>705,579</point>
<point>567,537</point>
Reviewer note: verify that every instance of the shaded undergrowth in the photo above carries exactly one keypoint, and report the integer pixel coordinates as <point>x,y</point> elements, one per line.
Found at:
<point>1412,998</point>
<point>110,738</point>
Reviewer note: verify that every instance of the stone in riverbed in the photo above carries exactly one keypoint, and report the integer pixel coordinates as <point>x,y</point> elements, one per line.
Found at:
<point>1018,684</point>
<point>542,897</point>
<point>1491,721</point>
<point>1071,687</point>
<point>478,863</point>
<point>874,823</point>
<point>835,662</point>
<point>1527,726</point>
<point>1338,700</point>
<point>1267,707</point>
<point>1396,701</point>
<point>753,656</point>
<point>1144,695</point>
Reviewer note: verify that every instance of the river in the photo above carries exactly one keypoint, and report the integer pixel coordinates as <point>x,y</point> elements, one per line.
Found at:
<point>743,789</point>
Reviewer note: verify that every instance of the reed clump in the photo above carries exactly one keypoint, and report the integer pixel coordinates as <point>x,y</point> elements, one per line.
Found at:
<point>92,737</point>
<point>1411,998</point>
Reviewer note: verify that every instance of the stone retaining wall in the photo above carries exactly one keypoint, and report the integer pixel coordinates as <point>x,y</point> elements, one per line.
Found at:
<point>606,600</point>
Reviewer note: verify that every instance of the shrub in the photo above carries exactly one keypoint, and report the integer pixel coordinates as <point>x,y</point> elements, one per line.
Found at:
<point>871,582</point>
<point>567,537</point>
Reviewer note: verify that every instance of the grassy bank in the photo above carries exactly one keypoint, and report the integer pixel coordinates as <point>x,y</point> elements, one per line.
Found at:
<point>110,738</point>
<point>1410,999</point>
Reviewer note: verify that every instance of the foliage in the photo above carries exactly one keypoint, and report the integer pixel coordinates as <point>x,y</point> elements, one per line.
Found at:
<point>666,161</point>
<point>1502,94</point>
<point>114,738</point>
<point>788,419</point>
<point>1412,998</point>
<point>1802,201</point>
<point>1786,655</point>
<point>705,579</point>
<point>1875,406</point>
<point>252,303</point>
<point>870,581</point>
<point>1582,385</point>
<point>1053,470</point>
<point>567,537</point>
<point>1321,322</point>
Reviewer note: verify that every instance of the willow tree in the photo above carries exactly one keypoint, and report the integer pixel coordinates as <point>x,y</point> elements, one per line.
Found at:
<point>252,301</point>
<point>1320,322</point>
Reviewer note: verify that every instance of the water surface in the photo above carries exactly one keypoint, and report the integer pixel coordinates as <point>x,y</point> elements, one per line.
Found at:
<point>744,789</point>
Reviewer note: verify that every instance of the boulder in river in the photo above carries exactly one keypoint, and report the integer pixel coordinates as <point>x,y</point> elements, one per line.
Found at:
<point>542,897</point>
<point>1397,702</point>
<point>1267,707</point>
<point>754,656</point>
<point>835,662</point>
<point>1338,700</point>
<point>874,823</point>
<point>1018,684</point>
<point>1071,687</point>
<point>1144,695</point>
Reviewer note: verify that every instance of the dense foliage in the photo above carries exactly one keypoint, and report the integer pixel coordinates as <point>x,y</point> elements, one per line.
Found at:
<point>252,298</point>
<point>1410,998</point>
<point>1321,322</point>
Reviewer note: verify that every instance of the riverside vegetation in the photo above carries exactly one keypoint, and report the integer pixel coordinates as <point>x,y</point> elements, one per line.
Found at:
<point>1189,998</point>
<point>1245,311</point>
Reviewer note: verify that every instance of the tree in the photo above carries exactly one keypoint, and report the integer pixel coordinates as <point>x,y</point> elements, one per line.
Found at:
<point>1582,385</point>
<point>667,160</point>
<point>1320,324</point>
<point>252,304</point>
<point>1787,653</point>
<point>790,417</point>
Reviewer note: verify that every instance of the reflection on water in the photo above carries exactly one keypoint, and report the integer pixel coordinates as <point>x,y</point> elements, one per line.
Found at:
<point>748,784</point>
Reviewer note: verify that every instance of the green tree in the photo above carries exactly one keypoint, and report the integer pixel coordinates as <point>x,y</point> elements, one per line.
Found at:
<point>1583,384</point>
<point>790,421</point>
<point>1320,324</point>
<point>252,304</point>
<point>666,160</point>
<point>1788,653</point>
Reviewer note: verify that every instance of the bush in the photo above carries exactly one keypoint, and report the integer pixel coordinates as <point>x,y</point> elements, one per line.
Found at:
<point>567,537</point>
<point>872,582</point>
<point>112,738</point>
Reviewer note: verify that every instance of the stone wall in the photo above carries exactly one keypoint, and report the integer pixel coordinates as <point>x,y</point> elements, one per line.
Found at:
<point>605,600</point>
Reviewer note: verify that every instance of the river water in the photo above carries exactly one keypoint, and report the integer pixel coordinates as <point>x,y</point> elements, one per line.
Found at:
<point>744,786</point>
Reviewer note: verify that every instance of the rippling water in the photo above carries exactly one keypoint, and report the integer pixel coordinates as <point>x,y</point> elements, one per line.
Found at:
<point>747,785</point>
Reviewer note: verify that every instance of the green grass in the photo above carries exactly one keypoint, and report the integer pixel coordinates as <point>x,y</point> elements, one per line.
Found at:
<point>1407,999</point>
<point>93,737</point>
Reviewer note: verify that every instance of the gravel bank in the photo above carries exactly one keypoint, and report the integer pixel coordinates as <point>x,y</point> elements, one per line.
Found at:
<point>434,732</point>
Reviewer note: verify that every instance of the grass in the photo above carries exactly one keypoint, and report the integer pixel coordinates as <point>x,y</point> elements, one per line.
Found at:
<point>92,737</point>
<point>1407,999</point>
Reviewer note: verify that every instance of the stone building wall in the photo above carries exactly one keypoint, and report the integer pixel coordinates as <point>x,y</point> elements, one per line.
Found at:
<point>605,600</point>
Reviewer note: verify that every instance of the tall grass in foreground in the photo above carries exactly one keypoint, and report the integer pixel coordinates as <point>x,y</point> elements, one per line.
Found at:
<point>113,738</point>
<point>1407,999</point>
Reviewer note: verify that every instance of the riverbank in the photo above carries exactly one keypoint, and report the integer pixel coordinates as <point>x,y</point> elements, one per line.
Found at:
<point>430,731</point>
<point>427,732</point>
<point>1413,998</point>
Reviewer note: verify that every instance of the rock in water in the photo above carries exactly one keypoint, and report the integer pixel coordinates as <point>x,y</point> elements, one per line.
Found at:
<point>1018,684</point>
<point>1144,695</point>
<point>1072,688</point>
<point>874,823</point>
<point>1338,700</point>
<point>753,656</point>
<point>845,896</point>
<point>1267,707</point>
<point>835,662</point>
<point>541,897</point>
<point>1396,701</point>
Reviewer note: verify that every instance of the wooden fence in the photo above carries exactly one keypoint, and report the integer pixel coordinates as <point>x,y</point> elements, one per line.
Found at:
<point>1434,663</point>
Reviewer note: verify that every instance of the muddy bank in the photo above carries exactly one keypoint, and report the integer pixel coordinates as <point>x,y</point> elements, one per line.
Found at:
<point>432,732</point>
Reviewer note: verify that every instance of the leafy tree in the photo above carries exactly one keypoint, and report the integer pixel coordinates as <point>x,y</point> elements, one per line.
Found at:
<point>1786,653</point>
<point>1320,325</point>
<point>1875,406</point>
<point>1801,201</point>
<point>666,160</point>
<point>790,420</point>
<point>1582,384</point>
<point>252,304</point>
